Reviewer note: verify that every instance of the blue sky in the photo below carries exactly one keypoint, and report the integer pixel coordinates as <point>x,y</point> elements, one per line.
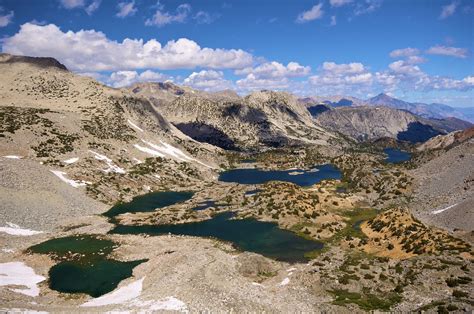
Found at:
<point>418,50</point>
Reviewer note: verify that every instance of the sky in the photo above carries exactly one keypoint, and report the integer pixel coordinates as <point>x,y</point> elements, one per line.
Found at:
<point>416,50</point>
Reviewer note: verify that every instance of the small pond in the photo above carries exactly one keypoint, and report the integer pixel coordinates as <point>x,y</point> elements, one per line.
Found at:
<point>297,176</point>
<point>396,156</point>
<point>149,202</point>
<point>83,265</point>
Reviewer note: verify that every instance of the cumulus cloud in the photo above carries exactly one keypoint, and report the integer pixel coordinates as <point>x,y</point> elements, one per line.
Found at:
<point>405,52</point>
<point>251,82</point>
<point>126,78</point>
<point>270,75</point>
<point>274,69</point>
<point>6,19</point>
<point>90,50</point>
<point>341,78</point>
<point>448,51</point>
<point>448,10</point>
<point>402,74</point>
<point>162,18</point>
<point>208,80</point>
<point>339,3</point>
<point>314,13</point>
<point>126,9</point>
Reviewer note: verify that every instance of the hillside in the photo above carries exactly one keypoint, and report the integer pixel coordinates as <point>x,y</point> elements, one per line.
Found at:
<point>371,123</point>
<point>87,132</point>
<point>261,119</point>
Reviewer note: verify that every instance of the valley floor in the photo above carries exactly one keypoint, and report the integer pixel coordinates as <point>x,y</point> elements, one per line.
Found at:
<point>356,271</point>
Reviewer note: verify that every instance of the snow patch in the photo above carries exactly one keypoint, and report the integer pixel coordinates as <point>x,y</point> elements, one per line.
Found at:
<point>134,125</point>
<point>284,282</point>
<point>258,284</point>
<point>7,250</point>
<point>18,274</point>
<point>71,160</point>
<point>129,296</point>
<point>12,157</point>
<point>435,212</point>
<point>18,231</point>
<point>118,296</point>
<point>137,161</point>
<point>167,150</point>
<point>111,166</point>
<point>167,304</point>
<point>148,151</point>
<point>73,183</point>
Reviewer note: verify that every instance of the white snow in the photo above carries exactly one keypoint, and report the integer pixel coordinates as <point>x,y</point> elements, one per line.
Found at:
<point>285,282</point>
<point>73,183</point>
<point>149,151</point>
<point>167,304</point>
<point>134,125</point>
<point>435,212</point>
<point>137,161</point>
<point>12,157</point>
<point>18,231</point>
<point>71,160</point>
<point>292,269</point>
<point>129,296</point>
<point>118,296</point>
<point>18,274</point>
<point>111,166</point>
<point>167,150</point>
<point>7,250</point>
<point>257,284</point>
<point>22,311</point>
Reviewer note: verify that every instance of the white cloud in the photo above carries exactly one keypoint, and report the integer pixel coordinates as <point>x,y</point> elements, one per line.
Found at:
<point>343,69</point>
<point>205,18</point>
<point>403,67</point>
<point>448,10</point>
<point>342,78</point>
<point>448,51</point>
<point>6,19</point>
<point>161,18</point>
<point>208,80</point>
<point>314,13</point>
<point>72,4</point>
<point>93,6</point>
<point>251,82</point>
<point>90,51</point>
<point>126,78</point>
<point>126,9</point>
<point>276,70</point>
<point>339,3</point>
<point>367,6</point>
<point>403,75</point>
<point>405,52</point>
<point>333,20</point>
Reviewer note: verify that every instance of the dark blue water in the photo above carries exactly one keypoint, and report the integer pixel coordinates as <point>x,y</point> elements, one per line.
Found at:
<point>258,176</point>
<point>149,202</point>
<point>246,234</point>
<point>396,156</point>
<point>83,265</point>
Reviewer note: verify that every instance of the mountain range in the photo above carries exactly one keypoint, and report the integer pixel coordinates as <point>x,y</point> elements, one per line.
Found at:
<point>431,111</point>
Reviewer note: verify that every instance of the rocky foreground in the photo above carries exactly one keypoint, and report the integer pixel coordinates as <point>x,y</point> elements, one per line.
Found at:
<point>396,237</point>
